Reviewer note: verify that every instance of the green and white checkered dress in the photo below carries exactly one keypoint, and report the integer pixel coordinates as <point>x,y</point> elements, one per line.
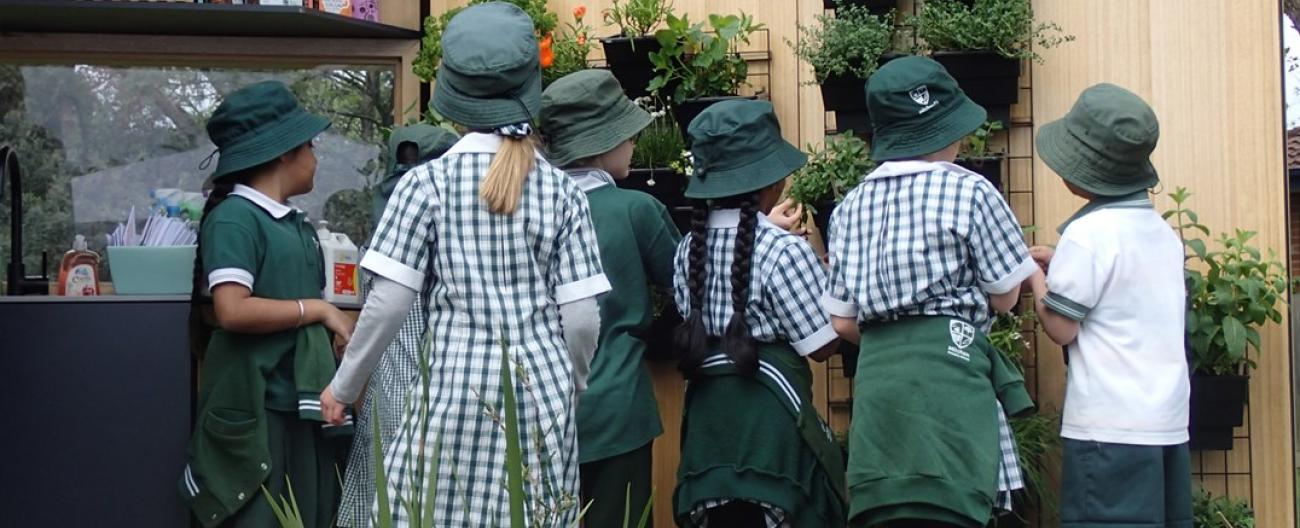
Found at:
<point>490,278</point>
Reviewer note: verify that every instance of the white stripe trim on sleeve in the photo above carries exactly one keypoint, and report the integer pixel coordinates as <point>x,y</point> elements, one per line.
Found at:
<point>1012,279</point>
<point>582,289</point>
<point>391,269</point>
<point>839,308</point>
<point>235,275</point>
<point>814,342</point>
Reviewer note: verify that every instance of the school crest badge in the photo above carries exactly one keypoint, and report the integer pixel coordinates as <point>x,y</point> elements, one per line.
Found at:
<point>920,94</point>
<point>963,334</point>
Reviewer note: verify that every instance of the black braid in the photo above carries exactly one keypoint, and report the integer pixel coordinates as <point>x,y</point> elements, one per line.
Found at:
<point>690,338</point>
<point>200,330</point>
<point>737,342</point>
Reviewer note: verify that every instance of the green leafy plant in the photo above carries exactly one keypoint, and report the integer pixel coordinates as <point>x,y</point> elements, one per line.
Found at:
<point>426,61</point>
<point>1231,293</point>
<point>635,18</point>
<point>976,145</point>
<point>696,61</point>
<point>1209,511</point>
<point>544,20</point>
<point>831,172</point>
<point>1037,436</point>
<point>566,52</point>
<point>1006,27</point>
<point>851,41</point>
<point>659,144</point>
<point>1010,335</point>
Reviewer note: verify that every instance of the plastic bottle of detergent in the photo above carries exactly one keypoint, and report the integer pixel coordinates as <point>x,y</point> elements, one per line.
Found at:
<point>342,280</point>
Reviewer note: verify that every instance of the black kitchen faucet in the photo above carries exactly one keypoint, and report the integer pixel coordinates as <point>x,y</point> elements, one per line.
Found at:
<point>19,282</point>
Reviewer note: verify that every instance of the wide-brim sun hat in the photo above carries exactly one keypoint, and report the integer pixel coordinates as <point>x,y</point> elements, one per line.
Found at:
<point>256,124</point>
<point>490,75</point>
<point>1104,144</point>
<point>431,142</point>
<point>737,148</point>
<point>917,108</point>
<point>586,114</point>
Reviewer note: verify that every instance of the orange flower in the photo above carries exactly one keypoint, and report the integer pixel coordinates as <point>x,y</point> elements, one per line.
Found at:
<point>579,12</point>
<point>545,53</point>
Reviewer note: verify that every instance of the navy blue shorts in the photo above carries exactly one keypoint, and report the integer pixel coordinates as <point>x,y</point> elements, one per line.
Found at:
<point>1125,486</point>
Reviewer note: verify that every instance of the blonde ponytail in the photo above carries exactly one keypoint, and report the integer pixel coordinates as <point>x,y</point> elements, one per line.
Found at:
<point>506,175</point>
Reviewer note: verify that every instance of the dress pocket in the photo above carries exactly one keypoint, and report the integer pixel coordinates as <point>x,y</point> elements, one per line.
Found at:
<point>230,424</point>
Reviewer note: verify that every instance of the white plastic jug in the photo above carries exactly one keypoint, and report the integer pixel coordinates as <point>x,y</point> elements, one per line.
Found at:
<point>342,276</point>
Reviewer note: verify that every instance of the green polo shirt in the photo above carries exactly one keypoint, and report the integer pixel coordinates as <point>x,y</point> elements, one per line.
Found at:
<point>637,238</point>
<point>276,249</point>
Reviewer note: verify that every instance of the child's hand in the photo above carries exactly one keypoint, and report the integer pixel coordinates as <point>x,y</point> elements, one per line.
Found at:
<point>788,216</point>
<point>331,408</point>
<point>341,325</point>
<point>1042,255</point>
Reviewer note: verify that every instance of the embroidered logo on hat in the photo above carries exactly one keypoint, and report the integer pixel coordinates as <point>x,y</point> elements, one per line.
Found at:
<point>920,94</point>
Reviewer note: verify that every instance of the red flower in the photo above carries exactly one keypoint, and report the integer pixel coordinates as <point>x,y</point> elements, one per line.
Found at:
<point>579,12</point>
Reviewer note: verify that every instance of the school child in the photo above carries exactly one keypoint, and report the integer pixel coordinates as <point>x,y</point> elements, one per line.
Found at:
<point>385,398</point>
<point>500,244</point>
<point>1114,297</point>
<point>922,252</point>
<point>589,126</point>
<point>259,420</point>
<point>754,450</point>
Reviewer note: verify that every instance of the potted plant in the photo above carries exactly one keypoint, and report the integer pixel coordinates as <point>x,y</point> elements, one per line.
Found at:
<point>628,53</point>
<point>698,66</point>
<point>1209,511</point>
<point>831,172</point>
<point>879,7</point>
<point>1231,293</point>
<point>981,43</point>
<point>566,52</point>
<point>976,156</point>
<point>657,166</point>
<point>844,50</point>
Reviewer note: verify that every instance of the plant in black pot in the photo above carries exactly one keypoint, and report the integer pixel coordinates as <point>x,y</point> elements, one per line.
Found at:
<point>656,163</point>
<point>700,65</point>
<point>844,50</point>
<point>976,156</point>
<point>1231,294</point>
<point>981,44</point>
<point>628,53</point>
<point>831,172</point>
<point>878,7</point>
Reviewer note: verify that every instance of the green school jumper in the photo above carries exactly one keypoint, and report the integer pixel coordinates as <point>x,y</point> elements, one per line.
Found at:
<point>618,416</point>
<point>259,397</point>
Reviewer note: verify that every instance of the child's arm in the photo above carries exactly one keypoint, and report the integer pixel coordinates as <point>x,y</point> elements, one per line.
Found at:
<point>237,310</point>
<point>1062,330</point>
<point>847,328</point>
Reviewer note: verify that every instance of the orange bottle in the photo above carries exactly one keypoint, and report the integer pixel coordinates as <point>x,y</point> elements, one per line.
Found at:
<point>79,271</point>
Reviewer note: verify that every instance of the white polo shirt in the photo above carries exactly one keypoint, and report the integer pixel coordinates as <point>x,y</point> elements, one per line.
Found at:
<point>1118,270</point>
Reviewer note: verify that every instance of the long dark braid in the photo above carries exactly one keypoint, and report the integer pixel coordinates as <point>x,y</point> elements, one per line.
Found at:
<point>737,342</point>
<point>200,330</point>
<point>690,337</point>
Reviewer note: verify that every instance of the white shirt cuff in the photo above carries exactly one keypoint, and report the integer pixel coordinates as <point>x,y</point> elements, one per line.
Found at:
<point>393,270</point>
<point>816,341</point>
<point>839,308</point>
<point>582,289</point>
<point>235,275</point>
<point>1009,282</point>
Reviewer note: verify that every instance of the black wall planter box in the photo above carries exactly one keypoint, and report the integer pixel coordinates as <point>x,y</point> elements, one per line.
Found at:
<point>669,189</point>
<point>685,111</point>
<point>629,61</point>
<point>845,91</point>
<point>877,7</point>
<point>990,167</point>
<point>856,121</point>
<point>1217,406</point>
<point>989,79</point>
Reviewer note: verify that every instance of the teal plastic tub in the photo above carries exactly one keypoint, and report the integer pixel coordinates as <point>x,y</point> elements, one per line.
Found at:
<point>152,270</point>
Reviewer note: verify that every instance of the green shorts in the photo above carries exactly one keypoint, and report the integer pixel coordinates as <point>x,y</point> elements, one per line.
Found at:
<point>1125,486</point>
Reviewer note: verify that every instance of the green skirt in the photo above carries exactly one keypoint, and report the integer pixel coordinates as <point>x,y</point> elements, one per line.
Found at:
<point>760,440</point>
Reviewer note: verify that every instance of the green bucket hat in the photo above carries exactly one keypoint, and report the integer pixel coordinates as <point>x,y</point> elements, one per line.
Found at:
<point>737,148</point>
<point>586,114</point>
<point>917,109</point>
<point>256,124</point>
<point>1104,144</point>
<point>490,75</point>
<point>431,142</point>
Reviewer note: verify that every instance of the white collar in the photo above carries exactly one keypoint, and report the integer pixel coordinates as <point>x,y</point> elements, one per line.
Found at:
<point>890,169</point>
<point>478,143</point>
<point>276,209</point>
<point>730,219</point>
<point>589,179</point>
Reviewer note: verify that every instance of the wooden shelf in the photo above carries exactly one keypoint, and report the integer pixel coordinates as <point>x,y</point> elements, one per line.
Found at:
<point>187,19</point>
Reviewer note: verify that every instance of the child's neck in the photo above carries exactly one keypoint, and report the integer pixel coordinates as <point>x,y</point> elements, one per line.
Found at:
<point>268,184</point>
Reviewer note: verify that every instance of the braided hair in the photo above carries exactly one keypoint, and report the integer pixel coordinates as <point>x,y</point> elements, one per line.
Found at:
<point>200,330</point>
<point>691,336</point>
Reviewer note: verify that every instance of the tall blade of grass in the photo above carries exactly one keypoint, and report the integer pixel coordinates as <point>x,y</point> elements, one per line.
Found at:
<point>430,484</point>
<point>514,453</point>
<point>382,501</point>
<point>645,512</point>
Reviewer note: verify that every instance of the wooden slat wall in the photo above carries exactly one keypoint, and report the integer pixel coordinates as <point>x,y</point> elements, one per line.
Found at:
<point>1212,71</point>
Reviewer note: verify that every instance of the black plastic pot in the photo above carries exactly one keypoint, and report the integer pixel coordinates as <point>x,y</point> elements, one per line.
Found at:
<point>668,188</point>
<point>989,79</point>
<point>990,167</point>
<point>685,111</point>
<point>1217,407</point>
<point>845,91</point>
<point>878,7</point>
<point>629,60</point>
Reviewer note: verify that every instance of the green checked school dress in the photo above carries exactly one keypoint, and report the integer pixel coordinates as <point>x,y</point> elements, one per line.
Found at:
<point>488,278</point>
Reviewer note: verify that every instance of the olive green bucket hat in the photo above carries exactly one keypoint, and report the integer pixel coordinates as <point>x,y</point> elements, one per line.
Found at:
<point>490,75</point>
<point>586,114</point>
<point>256,124</point>
<point>1104,144</point>
<point>737,148</point>
<point>430,141</point>
<point>917,108</point>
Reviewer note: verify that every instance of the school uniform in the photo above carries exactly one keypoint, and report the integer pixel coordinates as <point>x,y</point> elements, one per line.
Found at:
<point>488,279</point>
<point>618,417</point>
<point>1118,272</point>
<point>259,416</point>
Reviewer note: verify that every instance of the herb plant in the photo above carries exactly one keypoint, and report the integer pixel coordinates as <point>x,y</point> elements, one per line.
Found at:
<point>831,172</point>
<point>850,42</point>
<point>701,62</point>
<point>1006,27</point>
<point>636,18</point>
